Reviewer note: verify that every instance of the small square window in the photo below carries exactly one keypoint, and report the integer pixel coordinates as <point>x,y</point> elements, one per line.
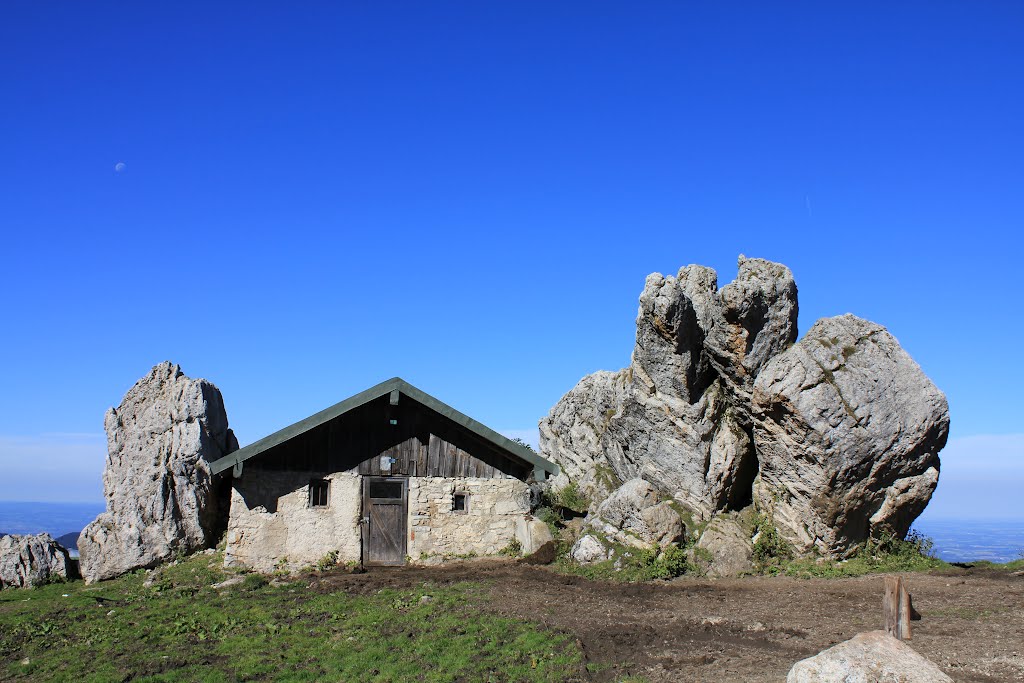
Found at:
<point>460,503</point>
<point>318,490</point>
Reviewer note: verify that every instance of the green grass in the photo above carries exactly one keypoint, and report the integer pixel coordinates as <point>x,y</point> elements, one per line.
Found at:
<point>181,629</point>
<point>635,565</point>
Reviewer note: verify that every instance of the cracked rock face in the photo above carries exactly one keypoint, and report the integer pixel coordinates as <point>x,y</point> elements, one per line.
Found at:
<point>837,435</point>
<point>157,481</point>
<point>27,561</point>
<point>633,516</point>
<point>848,431</point>
<point>679,415</point>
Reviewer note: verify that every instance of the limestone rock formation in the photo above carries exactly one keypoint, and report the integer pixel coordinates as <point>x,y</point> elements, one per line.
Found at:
<point>679,415</point>
<point>848,431</point>
<point>157,483</point>
<point>588,549</point>
<point>835,436</point>
<point>870,656</point>
<point>728,549</point>
<point>27,561</point>
<point>633,516</point>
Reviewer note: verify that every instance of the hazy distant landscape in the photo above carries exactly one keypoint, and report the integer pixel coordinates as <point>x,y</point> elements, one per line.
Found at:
<point>57,519</point>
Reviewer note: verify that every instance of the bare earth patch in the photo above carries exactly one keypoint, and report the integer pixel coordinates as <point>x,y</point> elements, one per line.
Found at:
<point>749,629</point>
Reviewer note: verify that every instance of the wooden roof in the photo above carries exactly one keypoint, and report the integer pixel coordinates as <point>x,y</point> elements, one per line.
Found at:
<point>395,386</point>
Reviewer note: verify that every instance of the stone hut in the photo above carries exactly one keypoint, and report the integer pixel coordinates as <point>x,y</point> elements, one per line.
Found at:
<point>389,476</point>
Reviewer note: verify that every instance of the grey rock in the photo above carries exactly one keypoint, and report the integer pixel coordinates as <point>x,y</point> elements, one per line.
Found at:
<point>836,436</point>
<point>32,560</point>
<point>157,481</point>
<point>532,534</point>
<point>633,516</point>
<point>848,431</point>
<point>679,415</point>
<point>728,547</point>
<point>871,657</point>
<point>588,549</point>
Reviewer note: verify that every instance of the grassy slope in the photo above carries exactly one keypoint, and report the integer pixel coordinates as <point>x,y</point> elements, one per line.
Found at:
<point>181,629</point>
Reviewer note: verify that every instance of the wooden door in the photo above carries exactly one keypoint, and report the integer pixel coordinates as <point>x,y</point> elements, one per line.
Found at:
<point>385,503</point>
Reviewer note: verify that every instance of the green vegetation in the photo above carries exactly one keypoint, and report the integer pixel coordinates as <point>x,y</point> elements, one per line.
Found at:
<point>513,549</point>
<point>883,553</point>
<point>771,552</point>
<point>630,564</point>
<point>571,498</point>
<point>523,444</point>
<point>180,628</point>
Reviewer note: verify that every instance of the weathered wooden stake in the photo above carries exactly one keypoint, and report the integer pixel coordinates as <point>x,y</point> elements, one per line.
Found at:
<point>896,607</point>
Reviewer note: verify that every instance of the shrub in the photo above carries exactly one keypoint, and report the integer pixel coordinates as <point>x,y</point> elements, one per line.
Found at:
<point>571,498</point>
<point>513,549</point>
<point>254,581</point>
<point>327,561</point>
<point>770,549</point>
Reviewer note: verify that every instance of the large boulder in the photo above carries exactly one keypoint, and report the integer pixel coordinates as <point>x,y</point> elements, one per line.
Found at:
<point>869,657</point>
<point>727,549</point>
<point>679,415</point>
<point>27,561</point>
<point>157,482</point>
<point>848,431</point>
<point>835,437</point>
<point>634,516</point>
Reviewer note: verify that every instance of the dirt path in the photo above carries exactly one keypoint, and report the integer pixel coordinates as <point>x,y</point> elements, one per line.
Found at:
<point>750,629</point>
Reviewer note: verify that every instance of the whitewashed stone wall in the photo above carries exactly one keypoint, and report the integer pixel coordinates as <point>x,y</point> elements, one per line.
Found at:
<point>271,522</point>
<point>488,525</point>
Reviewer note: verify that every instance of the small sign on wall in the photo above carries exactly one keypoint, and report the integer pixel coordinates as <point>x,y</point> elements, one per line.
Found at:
<point>385,463</point>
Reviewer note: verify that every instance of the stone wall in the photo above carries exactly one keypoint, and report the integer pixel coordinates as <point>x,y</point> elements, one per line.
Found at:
<point>271,523</point>
<point>486,527</point>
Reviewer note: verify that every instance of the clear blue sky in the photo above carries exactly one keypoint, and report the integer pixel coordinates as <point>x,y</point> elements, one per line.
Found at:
<point>297,201</point>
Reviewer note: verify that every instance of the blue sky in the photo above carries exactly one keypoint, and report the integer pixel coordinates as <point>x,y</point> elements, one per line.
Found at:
<point>299,202</point>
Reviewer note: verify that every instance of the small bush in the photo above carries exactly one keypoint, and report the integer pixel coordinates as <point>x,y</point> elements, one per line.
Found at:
<point>327,561</point>
<point>523,444</point>
<point>513,549</point>
<point>254,581</point>
<point>571,498</point>
<point>770,549</point>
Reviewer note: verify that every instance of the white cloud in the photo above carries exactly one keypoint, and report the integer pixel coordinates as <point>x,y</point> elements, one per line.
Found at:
<point>54,467</point>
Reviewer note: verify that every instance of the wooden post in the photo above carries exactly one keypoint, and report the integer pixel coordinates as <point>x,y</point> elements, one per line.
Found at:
<point>896,607</point>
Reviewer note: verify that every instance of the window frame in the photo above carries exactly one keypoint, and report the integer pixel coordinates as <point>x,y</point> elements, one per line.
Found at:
<point>465,502</point>
<point>315,486</point>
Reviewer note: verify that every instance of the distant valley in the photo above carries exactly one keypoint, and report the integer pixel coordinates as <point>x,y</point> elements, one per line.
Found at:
<point>63,521</point>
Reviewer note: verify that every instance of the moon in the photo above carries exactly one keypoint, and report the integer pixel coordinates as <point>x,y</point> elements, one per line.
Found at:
<point>119,166</point>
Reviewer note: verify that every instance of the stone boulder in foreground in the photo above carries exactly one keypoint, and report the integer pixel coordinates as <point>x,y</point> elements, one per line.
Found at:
<point>867,658</point>
<point>157,483</point>
<point>835,437</point>
<point>27,561</point>
<point>848,431</point>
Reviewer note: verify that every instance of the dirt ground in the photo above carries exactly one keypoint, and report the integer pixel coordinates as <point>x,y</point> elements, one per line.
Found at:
<point>749,629</point>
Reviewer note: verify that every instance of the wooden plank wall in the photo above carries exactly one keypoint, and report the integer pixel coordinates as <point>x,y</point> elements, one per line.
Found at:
<point>437,458</point>
<point>423,444</point>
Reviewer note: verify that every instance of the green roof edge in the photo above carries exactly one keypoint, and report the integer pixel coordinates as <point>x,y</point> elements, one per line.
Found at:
<point>291,431</point>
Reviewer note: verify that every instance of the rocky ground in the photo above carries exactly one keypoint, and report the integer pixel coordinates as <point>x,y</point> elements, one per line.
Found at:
<point>747,629</point>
